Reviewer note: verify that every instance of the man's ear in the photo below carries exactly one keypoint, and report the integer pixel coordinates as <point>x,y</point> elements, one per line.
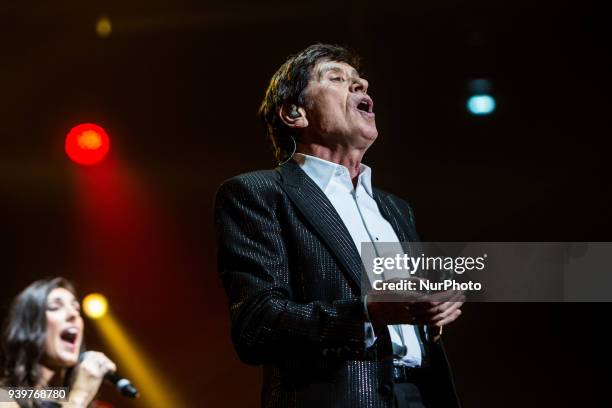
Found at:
<point>293,116</point>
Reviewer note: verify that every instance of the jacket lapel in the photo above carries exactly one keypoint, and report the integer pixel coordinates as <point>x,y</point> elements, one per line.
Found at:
<point>389,211</point>
<point>405,233</point>
<point>321,214</point>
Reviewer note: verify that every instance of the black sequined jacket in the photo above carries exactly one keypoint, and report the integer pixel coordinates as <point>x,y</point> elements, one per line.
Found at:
<point>292,275</point>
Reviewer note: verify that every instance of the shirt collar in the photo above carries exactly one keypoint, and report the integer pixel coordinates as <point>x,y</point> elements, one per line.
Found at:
<point>322,171</point>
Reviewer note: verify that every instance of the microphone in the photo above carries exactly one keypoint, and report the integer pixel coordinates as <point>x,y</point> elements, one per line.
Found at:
<point>123,385</point>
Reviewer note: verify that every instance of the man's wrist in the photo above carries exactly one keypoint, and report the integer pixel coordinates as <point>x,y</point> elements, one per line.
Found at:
<point>366,313</point>
<point>370,315</point>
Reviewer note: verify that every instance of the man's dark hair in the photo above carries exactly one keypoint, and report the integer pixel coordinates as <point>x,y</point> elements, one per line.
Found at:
<point>287,87</point>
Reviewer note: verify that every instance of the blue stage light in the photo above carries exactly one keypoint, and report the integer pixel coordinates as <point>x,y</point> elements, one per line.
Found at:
<point>481,105</point>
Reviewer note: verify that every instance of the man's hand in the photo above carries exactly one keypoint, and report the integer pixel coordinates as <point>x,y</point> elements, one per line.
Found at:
<point>411,307</point>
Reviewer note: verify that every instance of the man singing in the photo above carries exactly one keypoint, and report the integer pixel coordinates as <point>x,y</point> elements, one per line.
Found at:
<point>289,243</point>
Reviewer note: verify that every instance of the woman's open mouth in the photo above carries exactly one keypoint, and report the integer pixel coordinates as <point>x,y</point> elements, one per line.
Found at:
<point>69,337</point>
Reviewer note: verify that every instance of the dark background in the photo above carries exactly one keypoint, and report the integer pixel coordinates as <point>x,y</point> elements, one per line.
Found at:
<point>177,85</point>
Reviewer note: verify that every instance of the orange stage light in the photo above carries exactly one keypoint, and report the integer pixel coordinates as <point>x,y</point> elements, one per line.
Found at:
<point>95,305</point>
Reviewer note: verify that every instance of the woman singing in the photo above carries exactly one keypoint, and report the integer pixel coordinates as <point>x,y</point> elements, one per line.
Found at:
<point>41,345</point>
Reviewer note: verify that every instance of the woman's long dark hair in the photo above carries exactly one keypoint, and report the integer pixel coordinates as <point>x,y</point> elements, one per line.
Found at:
<point>24,334</point>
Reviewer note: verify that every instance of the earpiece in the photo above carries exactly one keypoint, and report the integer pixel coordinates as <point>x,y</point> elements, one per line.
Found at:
<point>294,114</point>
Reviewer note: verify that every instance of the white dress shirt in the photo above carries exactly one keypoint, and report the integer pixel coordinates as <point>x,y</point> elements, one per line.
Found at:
<point>361,216</point>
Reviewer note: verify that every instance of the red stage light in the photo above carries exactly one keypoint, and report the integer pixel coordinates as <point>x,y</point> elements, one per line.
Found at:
<point>87,144</point>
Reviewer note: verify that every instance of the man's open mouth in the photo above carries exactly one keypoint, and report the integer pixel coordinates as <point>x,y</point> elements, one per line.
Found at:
<point>366,105</point>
